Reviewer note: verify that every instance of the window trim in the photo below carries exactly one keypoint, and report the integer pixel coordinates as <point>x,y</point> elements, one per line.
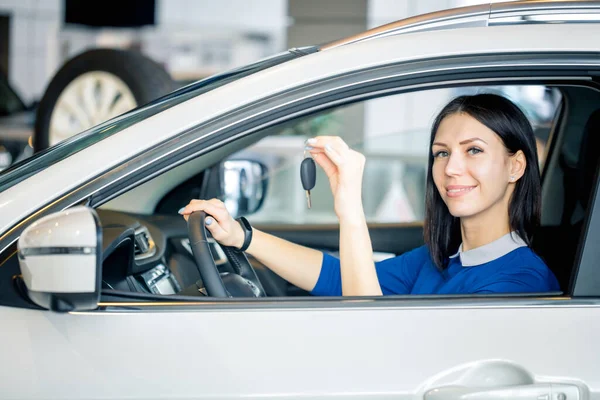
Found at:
<point>145,303</point>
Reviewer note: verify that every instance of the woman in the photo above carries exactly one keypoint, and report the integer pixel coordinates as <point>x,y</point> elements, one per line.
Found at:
<point>482,203</point>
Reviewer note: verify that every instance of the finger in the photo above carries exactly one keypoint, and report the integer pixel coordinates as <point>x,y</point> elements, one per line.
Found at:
<point>219,213</point>
<point>333,155</point>
<point>336,142</point>
<point>217,203</point>
<point>213,201</point>
<point>313,150</point>
<point>324,162</point>
<point>334,148</point>
<point>214,228</point>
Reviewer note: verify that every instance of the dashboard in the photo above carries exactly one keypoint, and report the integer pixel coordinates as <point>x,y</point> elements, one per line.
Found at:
<point>151,254</point>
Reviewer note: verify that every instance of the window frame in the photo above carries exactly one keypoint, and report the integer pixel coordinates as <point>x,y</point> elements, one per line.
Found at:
<point>411,301</point>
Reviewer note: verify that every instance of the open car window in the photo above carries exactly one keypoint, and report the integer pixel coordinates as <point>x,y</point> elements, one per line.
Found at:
<point>393,133</point>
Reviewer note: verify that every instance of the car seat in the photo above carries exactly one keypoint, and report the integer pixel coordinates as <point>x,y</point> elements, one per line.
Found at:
<point>558,245</point>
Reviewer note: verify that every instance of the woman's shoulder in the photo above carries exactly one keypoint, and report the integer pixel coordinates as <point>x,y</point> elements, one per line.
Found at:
<point>420,255</point>
<point>525,256</point>
<point>525,263</point>
<point>413,259</point>
<point>421,252</point>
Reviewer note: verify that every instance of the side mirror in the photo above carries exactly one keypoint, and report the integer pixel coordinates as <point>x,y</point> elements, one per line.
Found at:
<point>61,260</point>
<point>243,186</point>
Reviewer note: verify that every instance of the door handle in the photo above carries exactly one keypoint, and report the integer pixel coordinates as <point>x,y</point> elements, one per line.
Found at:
<point>541,391</point>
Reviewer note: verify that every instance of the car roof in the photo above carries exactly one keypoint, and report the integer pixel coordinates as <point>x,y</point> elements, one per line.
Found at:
<point>492,14</point>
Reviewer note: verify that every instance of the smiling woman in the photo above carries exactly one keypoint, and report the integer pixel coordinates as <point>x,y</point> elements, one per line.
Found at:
<point>482,202</point>
<point>485,171</point>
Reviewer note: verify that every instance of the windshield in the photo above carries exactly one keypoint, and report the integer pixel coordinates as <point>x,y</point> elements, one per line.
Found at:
<point>62,150</point>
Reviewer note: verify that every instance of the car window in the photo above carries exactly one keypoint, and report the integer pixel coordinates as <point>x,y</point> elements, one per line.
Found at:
<point>393,133</point>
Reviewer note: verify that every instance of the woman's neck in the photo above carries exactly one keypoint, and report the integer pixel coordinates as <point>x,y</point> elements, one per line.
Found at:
<point>482,229</point>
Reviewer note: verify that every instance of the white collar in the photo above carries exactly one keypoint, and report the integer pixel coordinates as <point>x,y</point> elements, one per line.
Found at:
<point>491,251</point>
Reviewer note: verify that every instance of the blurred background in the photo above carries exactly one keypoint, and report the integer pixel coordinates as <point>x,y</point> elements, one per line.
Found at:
<point>53,83</point>
<point>190,38</point>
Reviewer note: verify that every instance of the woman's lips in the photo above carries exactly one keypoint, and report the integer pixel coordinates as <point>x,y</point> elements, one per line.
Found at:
<point>457,191</point>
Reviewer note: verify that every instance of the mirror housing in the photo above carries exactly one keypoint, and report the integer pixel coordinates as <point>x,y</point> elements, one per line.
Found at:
<point>61,260</point>
<point>243,186</point>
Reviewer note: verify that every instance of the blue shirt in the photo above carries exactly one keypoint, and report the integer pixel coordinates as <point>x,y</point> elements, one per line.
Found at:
<point>506,265</point>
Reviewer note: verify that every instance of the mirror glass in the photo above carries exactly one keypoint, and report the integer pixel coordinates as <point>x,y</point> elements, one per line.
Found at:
<point>243,185</point>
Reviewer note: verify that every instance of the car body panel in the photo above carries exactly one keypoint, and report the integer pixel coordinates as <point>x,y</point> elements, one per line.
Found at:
<point>67,174</point>
<point>206,352</point>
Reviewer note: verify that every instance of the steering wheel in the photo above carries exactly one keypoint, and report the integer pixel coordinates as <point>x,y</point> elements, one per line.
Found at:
<point>243,283</point>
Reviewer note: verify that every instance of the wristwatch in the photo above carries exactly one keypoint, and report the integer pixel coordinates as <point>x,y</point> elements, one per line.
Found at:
<point>247,228</point>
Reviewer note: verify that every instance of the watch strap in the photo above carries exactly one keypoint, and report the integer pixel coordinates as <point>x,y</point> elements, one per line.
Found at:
<point>247,228</point>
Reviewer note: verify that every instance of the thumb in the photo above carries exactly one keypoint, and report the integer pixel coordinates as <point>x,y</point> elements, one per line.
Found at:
<point>215,229</point>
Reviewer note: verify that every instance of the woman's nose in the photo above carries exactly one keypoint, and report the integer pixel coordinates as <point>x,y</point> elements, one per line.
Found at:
<point>455,164</point>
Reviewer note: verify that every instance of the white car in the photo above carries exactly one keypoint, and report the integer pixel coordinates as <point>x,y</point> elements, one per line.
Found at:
<point>102,297</point>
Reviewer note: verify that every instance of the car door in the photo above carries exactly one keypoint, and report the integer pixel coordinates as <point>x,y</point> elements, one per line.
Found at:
<point>543,346</point>
<point>377,348</point>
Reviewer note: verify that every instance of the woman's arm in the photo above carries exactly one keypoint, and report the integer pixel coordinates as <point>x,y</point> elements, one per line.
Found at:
<point>344,168</point>
<point>359,277</point>
<point>297,264</point>
<point>300,265</point>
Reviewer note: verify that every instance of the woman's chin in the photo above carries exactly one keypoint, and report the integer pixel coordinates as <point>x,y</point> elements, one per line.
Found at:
<point>460,212</point>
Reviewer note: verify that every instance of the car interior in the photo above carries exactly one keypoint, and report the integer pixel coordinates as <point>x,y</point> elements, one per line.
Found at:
<point>146,243</point>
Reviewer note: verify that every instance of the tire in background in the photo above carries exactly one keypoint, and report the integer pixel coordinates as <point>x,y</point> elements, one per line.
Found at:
<point>146,79</point>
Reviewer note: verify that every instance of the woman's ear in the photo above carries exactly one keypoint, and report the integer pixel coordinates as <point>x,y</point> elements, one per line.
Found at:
<point>518,163</point>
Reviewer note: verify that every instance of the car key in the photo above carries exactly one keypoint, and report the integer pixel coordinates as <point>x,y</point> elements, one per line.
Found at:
<point>308,175</point>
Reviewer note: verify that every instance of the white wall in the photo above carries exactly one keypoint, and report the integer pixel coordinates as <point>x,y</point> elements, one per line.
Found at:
<point>255,15</point>
<point>229,33</point>
<point>386,11</point>
<point>33,46</point>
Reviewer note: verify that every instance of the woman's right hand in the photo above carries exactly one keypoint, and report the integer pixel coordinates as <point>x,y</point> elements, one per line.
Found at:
<point>344,168</point>
<point>223,228</point>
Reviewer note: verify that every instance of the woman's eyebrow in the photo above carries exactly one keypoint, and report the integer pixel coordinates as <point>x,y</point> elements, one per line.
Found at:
<point>472,140</point>
<point>461,143</point>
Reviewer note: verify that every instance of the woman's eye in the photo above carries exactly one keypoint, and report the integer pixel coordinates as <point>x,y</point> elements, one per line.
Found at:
<point>439,154</point>
<point>474,150</point>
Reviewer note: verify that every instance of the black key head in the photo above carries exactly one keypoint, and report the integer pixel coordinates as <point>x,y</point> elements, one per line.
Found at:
<point>308,173</point>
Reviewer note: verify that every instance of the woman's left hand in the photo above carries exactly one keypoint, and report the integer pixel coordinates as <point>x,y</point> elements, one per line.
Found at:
<point>344,168</point>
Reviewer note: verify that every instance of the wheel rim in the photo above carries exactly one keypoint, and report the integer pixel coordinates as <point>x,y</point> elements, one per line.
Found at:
<point>88,100</point>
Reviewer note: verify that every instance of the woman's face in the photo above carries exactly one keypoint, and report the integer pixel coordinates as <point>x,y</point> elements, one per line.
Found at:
<point>472,168</point>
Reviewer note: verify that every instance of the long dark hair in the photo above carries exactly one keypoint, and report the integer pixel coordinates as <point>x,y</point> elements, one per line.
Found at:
<point>441,229</point>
